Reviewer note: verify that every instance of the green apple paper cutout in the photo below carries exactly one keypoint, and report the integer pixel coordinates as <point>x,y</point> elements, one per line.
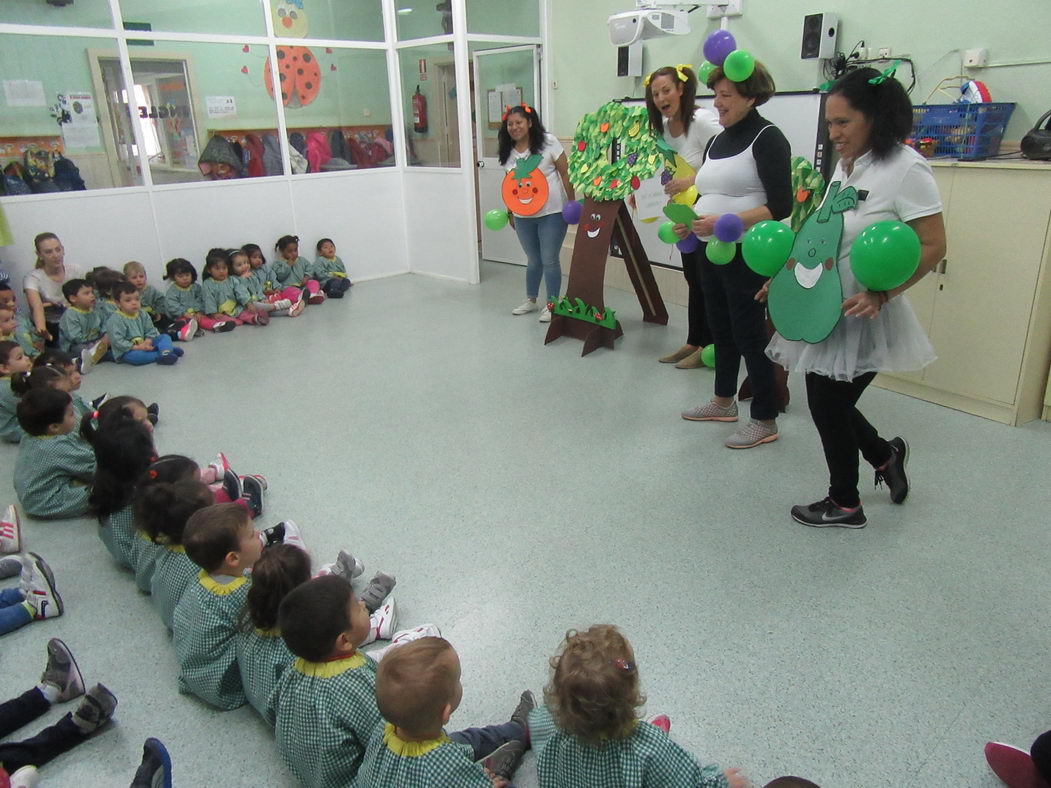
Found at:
<point>590,170</point>
<point>806,295</point>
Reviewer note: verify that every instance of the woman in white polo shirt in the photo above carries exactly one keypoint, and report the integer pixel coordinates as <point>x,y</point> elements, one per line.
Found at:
<point>869,115</point>
<point>43,285</point>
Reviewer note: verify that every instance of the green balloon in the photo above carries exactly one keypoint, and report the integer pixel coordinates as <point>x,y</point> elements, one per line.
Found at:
<point>720,252</point>
<point>766,247</point>
<point>885,255</point>
<point>667,233</point>
<point>703,72</point>
<point>496,219</point>
<point>708,356</point>
<point>739,65</point>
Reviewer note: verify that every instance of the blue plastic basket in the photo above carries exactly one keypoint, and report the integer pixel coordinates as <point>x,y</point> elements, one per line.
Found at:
<point>961,131</point>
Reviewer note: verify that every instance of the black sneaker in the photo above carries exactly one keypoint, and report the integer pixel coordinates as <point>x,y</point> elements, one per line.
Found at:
<point>232,484</point>
<point>274,535</point>
<point>97,402</point>
<point>893,474</point>
<point>226,325</point>
<point>153,411</point>
<point>505,759</point>
<point>253,491</point>
<point>526,703</point>
<point>827,514</point>
<point>155,771</point>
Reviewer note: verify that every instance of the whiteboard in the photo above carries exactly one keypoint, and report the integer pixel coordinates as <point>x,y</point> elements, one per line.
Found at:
<point>800,116</point>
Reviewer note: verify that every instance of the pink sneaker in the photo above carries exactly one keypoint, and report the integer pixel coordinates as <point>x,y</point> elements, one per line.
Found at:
<point>188,331</point>
<point>661,721</point>
<point>10,532</point>
<point>1013,766</point>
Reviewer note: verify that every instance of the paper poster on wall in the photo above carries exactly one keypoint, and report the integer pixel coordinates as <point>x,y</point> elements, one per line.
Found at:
<point>221,106</point>
<point>24,93</point>
<point>496,107</point>
<point>82,130</point>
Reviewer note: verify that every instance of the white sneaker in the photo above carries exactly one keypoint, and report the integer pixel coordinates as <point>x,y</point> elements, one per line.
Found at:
<point>383,621</point>
<point>10,532</point>
<point>529,305</point>
<point>403,637</point>
<point>545,315</point>
<point>284,303</point>
<point>26,777</point>
<point>345,565</point>
<point>38,587</point>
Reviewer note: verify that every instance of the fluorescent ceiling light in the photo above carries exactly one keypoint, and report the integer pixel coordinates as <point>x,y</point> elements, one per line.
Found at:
<point>404,11</point>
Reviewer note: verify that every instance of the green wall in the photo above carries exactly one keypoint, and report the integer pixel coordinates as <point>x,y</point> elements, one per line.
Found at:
<point>583,62</point>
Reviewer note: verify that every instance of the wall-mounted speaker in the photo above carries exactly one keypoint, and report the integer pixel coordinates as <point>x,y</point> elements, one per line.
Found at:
<point>819,35</point>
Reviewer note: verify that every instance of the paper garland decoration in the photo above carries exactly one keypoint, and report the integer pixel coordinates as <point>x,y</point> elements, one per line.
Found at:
<point>590,170</point>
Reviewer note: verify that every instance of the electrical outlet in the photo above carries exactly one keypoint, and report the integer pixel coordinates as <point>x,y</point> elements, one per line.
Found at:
<point>725,8</point>
<point>976,58</point>
<point>883,52</point>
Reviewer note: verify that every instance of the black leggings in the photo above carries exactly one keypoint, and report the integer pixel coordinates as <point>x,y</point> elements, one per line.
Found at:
<point>46,745</point>
<point>738,324</point>
<point>699,334</point>
<point>843,432</point>
<point>1041,755</point>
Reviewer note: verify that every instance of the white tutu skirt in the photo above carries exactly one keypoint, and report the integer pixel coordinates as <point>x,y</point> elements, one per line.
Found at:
<point>893,342</point>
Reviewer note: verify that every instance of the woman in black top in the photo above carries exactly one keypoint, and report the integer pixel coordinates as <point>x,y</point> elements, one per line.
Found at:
<point>747,171</point>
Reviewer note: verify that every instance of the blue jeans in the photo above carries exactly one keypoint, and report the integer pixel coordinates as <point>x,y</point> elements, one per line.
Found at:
<point>541,240</point>
<point>13,613</point>
<point>162,343</point>
<point>485,740</point>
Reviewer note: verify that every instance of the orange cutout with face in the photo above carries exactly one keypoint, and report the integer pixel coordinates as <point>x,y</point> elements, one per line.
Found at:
<point>525,190</point>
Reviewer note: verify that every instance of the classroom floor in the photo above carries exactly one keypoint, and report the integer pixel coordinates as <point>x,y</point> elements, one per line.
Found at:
<point>518,490</point>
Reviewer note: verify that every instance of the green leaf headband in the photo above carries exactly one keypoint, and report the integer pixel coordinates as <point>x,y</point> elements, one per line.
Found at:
<point>887,74</point>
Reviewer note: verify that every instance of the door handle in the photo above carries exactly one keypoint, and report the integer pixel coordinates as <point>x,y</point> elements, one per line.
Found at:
<point>479,164</point>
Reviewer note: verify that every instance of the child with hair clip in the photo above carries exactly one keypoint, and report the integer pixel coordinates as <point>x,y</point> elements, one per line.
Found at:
<point>589,733</point>
<point>221,296</point>
<point>417,690</point>
<point>250,289</point>
<point>133,337</point>
<point>25,332</point>
<point>103,280</point>
<point>293,270</point>
<point>329,270</point>
<point>292,299</point>
<point>54,466</point>
<point>13,361</point>
<point>184,299</point>
<point>53,377</point>
<point>64,363</point>
<point>80,329</point>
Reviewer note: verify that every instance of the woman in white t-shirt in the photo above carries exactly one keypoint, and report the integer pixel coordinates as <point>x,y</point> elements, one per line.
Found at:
<point>671,105</point>
<point>43,285</point>
<point>542,229</point>
<point>869,115</point>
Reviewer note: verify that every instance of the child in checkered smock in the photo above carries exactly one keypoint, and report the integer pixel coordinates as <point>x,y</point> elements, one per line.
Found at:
<point>295,271</point>
<point>220,539</point>
<point>13,361</point>
<point>324,707</point>
<point>329,270</point>
<point>417,689</point>
<point>54,465</point>
<point>289,301</point>
<point>251,293</point>
<point>589,736</point>
<point>224,299</point>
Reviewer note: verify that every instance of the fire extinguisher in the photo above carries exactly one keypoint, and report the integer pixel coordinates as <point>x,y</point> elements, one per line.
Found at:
<point>419,112</point>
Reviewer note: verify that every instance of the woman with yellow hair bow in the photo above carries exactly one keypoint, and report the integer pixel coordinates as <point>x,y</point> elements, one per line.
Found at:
<point>671,103</point>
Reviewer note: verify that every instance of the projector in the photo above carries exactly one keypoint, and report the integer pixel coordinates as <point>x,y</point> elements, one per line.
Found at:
<point>628,27</point>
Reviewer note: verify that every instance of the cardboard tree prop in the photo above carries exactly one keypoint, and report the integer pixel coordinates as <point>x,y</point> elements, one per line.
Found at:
<point>604,217</point>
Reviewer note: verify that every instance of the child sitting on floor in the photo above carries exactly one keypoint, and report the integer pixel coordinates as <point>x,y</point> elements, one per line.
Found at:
<point>329,270</point>
<point>80,329</point>
<point>294,271</point>
<point>417,690</point>
<point>220,539</point>
<point>277,295</point>
<point>65,364</point>
<point>54,465</point>
<point>154,305</point>
<point>222,297</point>
<point>12,362</point>
<point>184,299</point>
<point>589,733</point>
<point>103,280</point>
<point>133,337</point>
<point>250,288</point>
<point>26,334</point>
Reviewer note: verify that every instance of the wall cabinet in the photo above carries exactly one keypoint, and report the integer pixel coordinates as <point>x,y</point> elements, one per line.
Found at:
<point>987,307</point>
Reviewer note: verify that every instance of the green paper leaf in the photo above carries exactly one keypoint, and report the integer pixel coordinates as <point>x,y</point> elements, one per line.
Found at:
<point>680,214</point>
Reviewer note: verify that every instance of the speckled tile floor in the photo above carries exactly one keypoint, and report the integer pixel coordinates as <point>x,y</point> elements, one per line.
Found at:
<point>518,490</point>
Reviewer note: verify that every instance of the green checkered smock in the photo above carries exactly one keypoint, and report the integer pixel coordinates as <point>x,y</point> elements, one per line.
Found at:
<point>52,473</point>
<point>646,759</point>
<point>262,657</point>
<point>173,573</point>
<point>249,289</point>
<point>324,714</point>
<point>221,297</point>
<point>183,302</point>
<point>145,554</point>
<point>267,277</point>
<point>325,268</point>
<point>291,274</point>
<point>203,636</point>
<point>152,301</point>
<point>117,532</point>
<point>79,327</point>
<point>10,431</point>
<point>390,761</point>
<point>26,335</point>
<point>81,406</point>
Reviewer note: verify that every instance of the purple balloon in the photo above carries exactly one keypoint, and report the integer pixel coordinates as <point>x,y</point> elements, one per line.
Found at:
<point>729,228</point>
<point>688,244</point>
<point>719,44</point>
<point>571,211</point>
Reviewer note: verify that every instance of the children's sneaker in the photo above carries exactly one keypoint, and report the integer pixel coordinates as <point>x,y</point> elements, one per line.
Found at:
<point>316,298</point>
<point>754,433</point>
<point>167,358</point>
<point>26,777</point>
<point>253,493</point>
<point>232,484</point>
<point>98,401</point>
<point>1014,766</point>
<point>408,635</point>
<point>220,464</point>
<point>262,318</point>
<point>85,363</point>
<point>382,623</point>
<point>526,703</point>
<point>10,531</point>
<point>155,771</point>
<point>297,308</point>
<point>505,759</point>
<point>828,514</point>
<point>259,478</point>
<point>284,303</point>
<point>662,721</point>
<point>285,532</point>
<point>62,671</point>
<point>95,710</point>
<point>179,352</point>
<point>377,590</point>
<point>38,587</point>
<point>198,333</point>
<point>893,473</point>
<point>346,566</point>
<point>711,411</point>
<point>153,411</point>
<point>188,331</point>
